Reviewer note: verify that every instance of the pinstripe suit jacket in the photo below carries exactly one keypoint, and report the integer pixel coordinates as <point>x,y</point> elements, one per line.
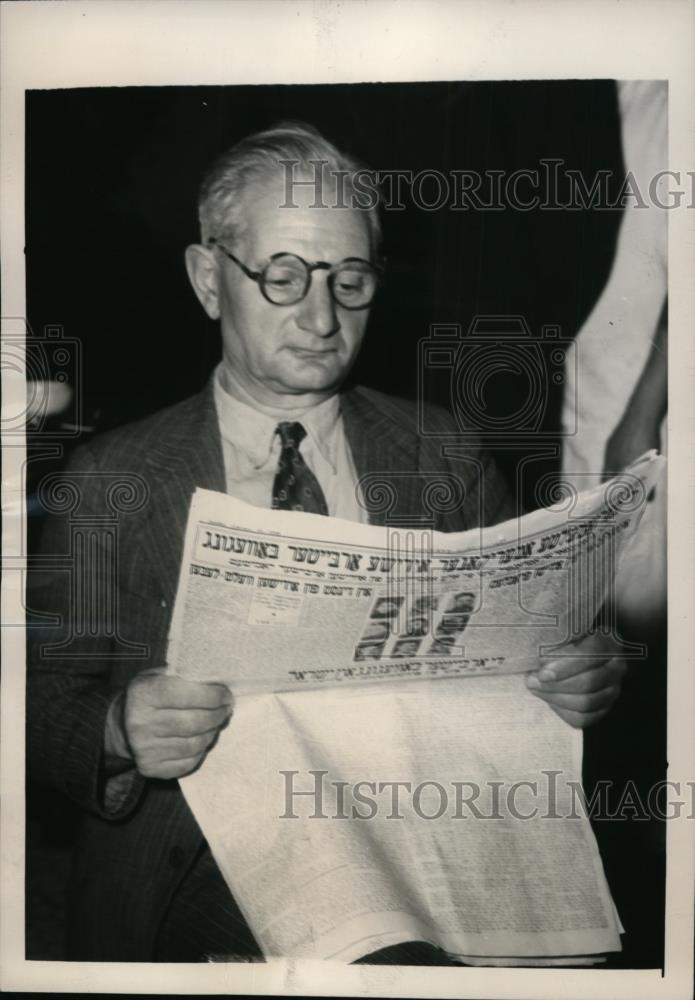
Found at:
<point>131,858</point>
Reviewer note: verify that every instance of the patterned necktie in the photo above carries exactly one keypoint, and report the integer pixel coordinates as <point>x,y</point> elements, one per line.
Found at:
<point>296,487</point>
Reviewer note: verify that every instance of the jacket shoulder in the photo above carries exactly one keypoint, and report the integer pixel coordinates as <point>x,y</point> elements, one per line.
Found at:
<point>126,447</point>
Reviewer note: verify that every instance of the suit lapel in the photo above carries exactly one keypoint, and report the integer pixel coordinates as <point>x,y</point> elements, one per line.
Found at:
<point>191,457</point>
<point>386,457</point>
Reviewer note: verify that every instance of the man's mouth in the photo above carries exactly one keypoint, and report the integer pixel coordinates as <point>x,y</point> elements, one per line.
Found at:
<point>310,352</point>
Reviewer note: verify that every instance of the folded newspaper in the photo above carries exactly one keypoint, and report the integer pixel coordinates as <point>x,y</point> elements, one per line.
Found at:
<point>386,775</point>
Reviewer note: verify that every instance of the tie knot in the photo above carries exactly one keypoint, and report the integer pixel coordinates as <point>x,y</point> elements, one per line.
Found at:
<point>291,434</point>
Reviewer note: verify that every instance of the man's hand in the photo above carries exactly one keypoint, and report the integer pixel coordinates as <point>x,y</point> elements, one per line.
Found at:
<point>171,723</point>
<point>581,687</point>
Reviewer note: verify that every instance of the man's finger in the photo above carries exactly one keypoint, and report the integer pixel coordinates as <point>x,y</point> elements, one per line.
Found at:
<point>170,691</point>
<point>579,720</point>
<point>593,678</point>
<point>572,666</point>
<point>166,770</point>
<point>581,703</point>
<point>179,747</point>
<point>195,722</point>
<point>586,653</point>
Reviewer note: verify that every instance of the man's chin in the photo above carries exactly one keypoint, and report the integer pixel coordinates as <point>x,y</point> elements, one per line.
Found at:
<point>314,375</point>
<point>306,387</point>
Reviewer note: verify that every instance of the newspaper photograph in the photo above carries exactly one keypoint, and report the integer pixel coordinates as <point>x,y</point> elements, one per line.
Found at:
<point>347,507</point>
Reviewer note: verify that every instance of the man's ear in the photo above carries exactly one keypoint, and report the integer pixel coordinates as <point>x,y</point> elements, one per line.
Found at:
<point>203,276</point>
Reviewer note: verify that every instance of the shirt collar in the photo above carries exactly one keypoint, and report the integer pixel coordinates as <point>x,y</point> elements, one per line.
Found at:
<point>252,429</point>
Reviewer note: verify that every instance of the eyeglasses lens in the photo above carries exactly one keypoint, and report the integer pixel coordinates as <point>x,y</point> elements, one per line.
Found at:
<point>285,281</point>
<point>354,284</point>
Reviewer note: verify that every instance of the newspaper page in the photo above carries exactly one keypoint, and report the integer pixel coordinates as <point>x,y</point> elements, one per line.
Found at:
<point>364,793</point>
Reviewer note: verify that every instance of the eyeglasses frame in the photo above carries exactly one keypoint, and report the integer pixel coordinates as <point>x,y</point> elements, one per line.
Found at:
<point>319,265</point>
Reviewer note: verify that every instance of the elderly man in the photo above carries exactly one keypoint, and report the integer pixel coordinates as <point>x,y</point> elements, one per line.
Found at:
<point>276,426</point>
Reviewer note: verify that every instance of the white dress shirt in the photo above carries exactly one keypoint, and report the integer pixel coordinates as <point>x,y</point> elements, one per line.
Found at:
<point>251,449</point>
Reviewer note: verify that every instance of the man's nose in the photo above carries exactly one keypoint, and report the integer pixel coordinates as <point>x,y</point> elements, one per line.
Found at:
<point>316,312</point>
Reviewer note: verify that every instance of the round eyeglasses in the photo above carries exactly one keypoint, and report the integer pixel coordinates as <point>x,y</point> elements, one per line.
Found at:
<point>286,278</point>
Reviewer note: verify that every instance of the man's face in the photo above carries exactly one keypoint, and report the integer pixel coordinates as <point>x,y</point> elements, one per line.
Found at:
<point>299,354</point>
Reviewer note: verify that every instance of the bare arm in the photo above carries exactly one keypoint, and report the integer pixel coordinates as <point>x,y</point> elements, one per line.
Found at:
<point>639,427</point>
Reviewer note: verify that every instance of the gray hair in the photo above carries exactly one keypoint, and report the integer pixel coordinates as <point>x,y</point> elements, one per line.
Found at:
<point>220,201</point>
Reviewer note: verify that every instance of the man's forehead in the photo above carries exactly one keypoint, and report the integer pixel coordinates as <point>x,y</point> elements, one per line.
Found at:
<point>303,213</point>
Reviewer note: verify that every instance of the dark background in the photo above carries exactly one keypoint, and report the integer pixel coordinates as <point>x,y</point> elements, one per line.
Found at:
<point>111,190</point>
